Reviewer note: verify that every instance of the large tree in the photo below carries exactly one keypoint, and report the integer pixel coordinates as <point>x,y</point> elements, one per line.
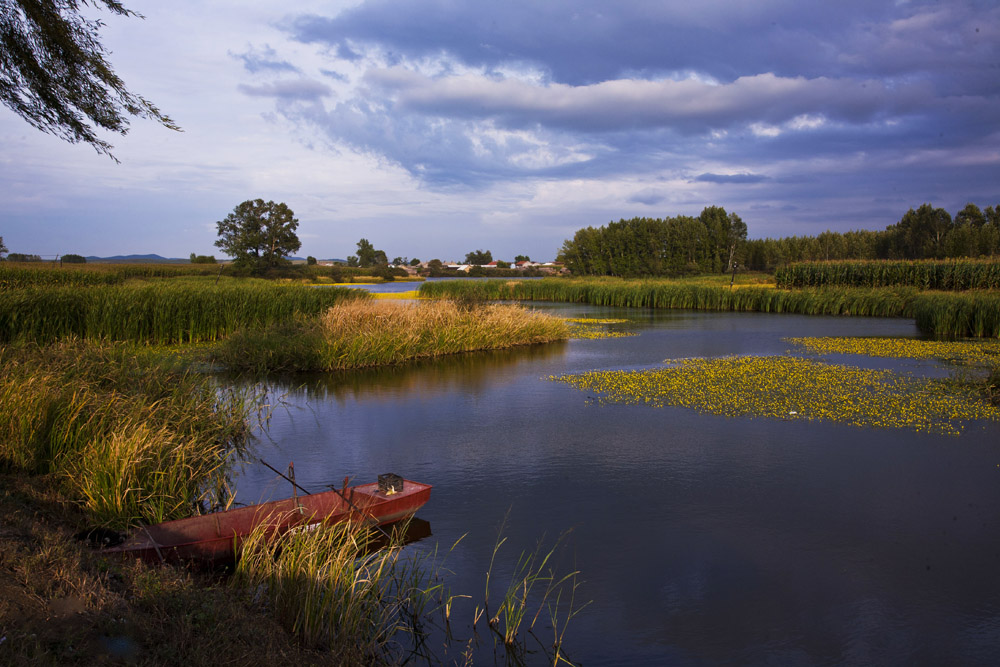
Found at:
<point>259,234</point>
<point>55,75</point>
<point>368,255</point>
<point>479,257</point>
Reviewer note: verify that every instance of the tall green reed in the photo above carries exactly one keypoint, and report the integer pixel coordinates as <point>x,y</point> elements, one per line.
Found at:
<point>334,590</point>
<point>131,441</point>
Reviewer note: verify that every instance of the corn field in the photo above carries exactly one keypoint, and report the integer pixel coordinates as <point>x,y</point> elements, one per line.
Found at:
<point>161,313</point>
<point>962,274</point>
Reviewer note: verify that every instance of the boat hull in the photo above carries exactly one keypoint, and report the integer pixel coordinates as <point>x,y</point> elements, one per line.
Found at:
<point>217,538</point>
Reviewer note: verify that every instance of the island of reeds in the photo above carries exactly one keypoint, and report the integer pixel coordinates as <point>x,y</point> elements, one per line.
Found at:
<point>365,333</point>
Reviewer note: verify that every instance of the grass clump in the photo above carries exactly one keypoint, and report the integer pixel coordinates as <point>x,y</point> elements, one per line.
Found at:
<point>345,590</point>
<point>534,581</point>
<point>793,388</point>
<point>334,591</point>
<point>130,441</point>
<point>362,334</point>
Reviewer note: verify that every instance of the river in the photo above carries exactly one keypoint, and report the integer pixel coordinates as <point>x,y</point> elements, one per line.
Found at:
<point>700,539</point>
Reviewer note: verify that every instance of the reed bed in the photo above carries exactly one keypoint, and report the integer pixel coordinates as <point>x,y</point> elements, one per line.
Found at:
<point>943,314</point>
<point>161,313</point>
<point>958,315</point>
<point>793,389</point>
<point>359,334</point>
<point>131,441</point>
<point>962,274</point>
<point>534,583</point>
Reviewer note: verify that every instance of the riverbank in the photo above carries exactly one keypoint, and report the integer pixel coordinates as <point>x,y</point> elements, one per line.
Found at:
<point>61,603</point>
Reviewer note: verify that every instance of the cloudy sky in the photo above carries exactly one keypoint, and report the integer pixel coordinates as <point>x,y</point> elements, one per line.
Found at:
<point>437,127</point>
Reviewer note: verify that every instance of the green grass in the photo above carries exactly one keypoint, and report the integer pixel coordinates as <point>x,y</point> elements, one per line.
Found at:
<point>18,275</point>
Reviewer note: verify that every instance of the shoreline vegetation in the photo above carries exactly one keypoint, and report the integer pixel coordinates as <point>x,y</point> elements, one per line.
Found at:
<point>972,313</point>
<point>112,421</point>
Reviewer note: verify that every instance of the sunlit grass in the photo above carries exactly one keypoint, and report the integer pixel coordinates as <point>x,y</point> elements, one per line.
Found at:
<point>329,587</point>
<point>133,439</point>
<point>369,333</point>
<point>793,388</point>
<point>950,274</point>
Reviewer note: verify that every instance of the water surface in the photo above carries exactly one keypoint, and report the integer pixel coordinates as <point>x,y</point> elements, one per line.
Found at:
<point>701,539</point>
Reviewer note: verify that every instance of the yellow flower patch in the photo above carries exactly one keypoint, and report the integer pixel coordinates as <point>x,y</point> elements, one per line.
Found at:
<point>592,327</point>
<point>793,388</point>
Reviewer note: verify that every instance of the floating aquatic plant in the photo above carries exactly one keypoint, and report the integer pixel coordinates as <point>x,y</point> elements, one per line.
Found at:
<point>594,327</point>
<point>794,388</point>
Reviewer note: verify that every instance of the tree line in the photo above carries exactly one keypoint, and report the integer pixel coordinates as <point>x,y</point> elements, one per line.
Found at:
<point>716,242</point>
<point>710,243</point>
<point>923,233</point>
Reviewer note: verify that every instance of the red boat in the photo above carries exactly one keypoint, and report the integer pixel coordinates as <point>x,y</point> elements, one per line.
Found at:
<point>216,538</point>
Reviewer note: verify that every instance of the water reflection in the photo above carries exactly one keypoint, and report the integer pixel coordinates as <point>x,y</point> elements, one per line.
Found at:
<point>468,373</point>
